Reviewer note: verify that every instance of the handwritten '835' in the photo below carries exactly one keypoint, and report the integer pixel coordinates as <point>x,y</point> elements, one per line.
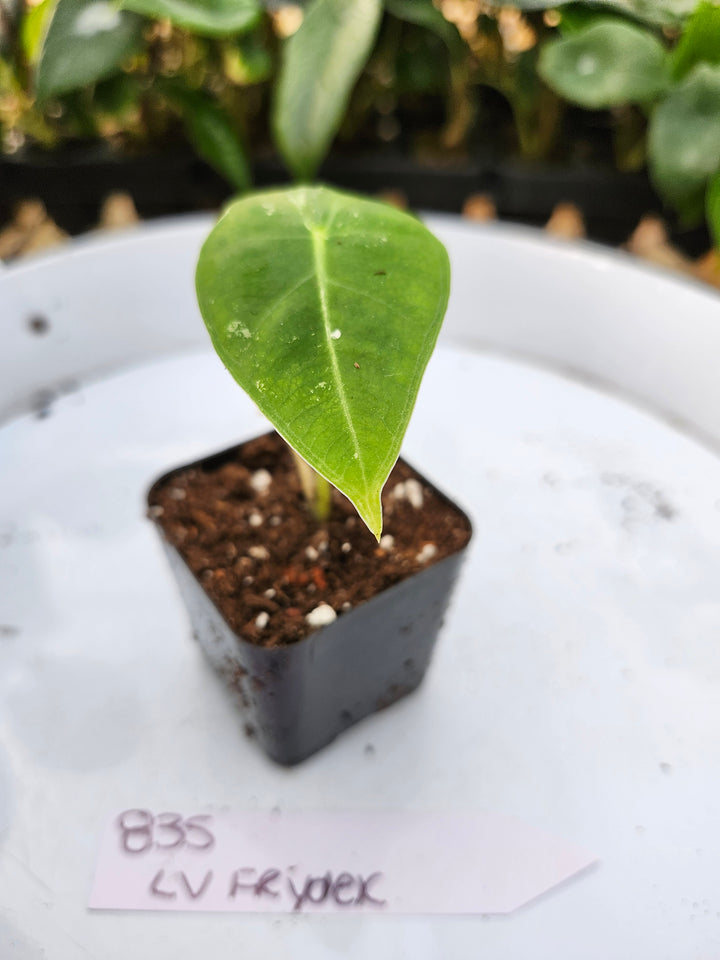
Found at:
<point>141,831</point>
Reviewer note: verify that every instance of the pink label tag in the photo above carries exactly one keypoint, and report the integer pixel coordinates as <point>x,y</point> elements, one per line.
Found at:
<point>373,862</point>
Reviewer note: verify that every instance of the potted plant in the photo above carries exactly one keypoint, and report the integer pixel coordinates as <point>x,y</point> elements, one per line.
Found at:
<point>314,584</point>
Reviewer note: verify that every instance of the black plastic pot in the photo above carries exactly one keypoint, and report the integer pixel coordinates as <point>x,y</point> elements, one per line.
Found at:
<point>74,181</point>
<point>297,698</point>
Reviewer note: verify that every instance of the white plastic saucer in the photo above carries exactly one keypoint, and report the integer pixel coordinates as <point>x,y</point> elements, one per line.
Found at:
<point>577,682</point>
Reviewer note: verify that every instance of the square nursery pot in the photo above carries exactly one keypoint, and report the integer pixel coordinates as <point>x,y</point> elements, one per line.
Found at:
<point>227,534</point>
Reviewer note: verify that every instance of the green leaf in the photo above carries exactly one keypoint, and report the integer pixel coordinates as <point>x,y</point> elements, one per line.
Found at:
<point>320,65</point>
<point>660,13</point>
<point>212,134</point>
<point>576,17</point>
<point>663,13</point>
<point>325,308</point>
<point>33,27</point>
<point>246,60</point>
<point>712,208</point>
<point>607,64</point>
<point>85,41</point>
<point>700,41</point>
<point>210,18</point>
<point>424,13</point>
<point>684,139</point>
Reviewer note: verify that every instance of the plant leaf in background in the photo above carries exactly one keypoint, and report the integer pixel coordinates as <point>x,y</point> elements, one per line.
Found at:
<point>663,13</point>
<point>33,27</point>
<point>700,41</point>
<point>209,18</point>
<point>85,41</point>
<point>606,64</point>
<point>424,13</point>
<point>684,140</point>
<point>325,308</point>
<point>246,60</point>
<point>212,134</point>
<point>575,18</point>
<point>712,208</point>
<point>320,65</point>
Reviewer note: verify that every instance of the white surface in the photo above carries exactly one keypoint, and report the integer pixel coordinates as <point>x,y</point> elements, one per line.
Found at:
<point>482,863</point>
<point>577,683</point>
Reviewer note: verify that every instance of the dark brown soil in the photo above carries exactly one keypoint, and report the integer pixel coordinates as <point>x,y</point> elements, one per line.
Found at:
<point>265,561</point>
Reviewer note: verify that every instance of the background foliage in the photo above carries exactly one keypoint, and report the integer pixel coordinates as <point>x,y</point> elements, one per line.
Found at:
<point>634,83</point>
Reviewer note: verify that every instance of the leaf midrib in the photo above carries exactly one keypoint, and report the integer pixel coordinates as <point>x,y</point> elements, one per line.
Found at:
<point>321,277</point>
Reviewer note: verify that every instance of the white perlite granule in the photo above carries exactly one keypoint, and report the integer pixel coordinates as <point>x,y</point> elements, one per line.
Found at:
<point>414,493</point>
<point>262,620</point>
<point>260,481</point>
<point>259,553</point>
<point>427,553</point>
<point>321,616</point>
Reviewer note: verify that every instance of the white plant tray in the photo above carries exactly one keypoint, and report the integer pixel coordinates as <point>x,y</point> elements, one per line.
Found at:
<point>576,684</point>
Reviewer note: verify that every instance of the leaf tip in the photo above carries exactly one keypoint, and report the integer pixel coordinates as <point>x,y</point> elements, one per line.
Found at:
<point>371,515</point>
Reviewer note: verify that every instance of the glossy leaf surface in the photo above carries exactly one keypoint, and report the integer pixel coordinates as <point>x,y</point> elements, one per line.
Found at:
<point>684,140</point>
<point>700,41</point>
<point>210,18</point>
<point>85,41</point>
<point>325,308</point>
<point>320,65</point>
<point>606,64</point>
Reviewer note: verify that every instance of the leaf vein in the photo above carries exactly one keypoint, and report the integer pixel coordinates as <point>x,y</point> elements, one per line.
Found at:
<point>280,300</point>
<point>322,284</point>
<point>362,293</point>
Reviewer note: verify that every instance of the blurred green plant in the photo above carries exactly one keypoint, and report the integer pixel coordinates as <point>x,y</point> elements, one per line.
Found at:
<point>601,61</point>
<point>240,78</point>
<point>320,66</point>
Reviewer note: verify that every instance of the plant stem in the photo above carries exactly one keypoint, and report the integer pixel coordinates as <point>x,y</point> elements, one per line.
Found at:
<point>316,489</point>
